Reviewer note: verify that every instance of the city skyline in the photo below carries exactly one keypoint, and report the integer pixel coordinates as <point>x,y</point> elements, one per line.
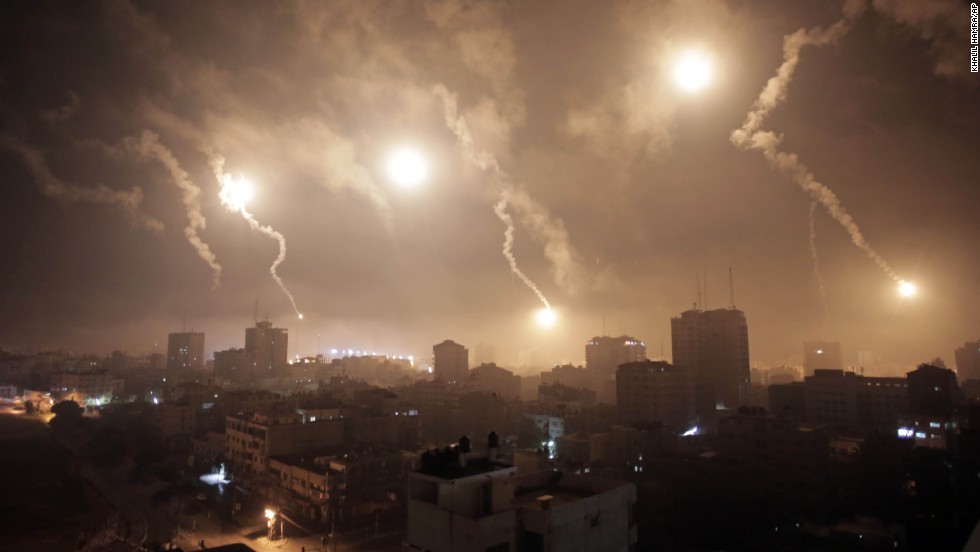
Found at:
<point>645,200</point>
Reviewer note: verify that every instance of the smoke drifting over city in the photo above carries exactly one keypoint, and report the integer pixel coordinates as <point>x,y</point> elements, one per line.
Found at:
<point>576,276</point>
<point>615,186</point>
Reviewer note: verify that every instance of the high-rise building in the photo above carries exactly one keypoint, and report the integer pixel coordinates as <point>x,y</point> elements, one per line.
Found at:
<point>234,364</point>
<point>603,355</point>
<point>450,362</point>
<point>654,391</point>
<point>267,347</point>
<point>714,346</point>
<point>932,390</point>
<point>822,355</point>
<point>968,361</point>
<point>185,351</point>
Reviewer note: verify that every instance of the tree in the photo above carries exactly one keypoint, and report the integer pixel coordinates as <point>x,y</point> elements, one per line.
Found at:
<point>68,415</point>
<point>68,409</point>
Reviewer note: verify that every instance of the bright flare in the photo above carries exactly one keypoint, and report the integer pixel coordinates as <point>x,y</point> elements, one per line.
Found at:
<point>407,168</point>
<point>236,193</point>
<point>907,289</point>
<point>546,318</point>
<point>301,317</point>
<point>692,72</point>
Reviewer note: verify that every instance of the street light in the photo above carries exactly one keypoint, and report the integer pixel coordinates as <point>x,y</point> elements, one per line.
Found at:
<point>270,517</point>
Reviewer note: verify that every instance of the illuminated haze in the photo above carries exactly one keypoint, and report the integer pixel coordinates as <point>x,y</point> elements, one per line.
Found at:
<point>622,187</point>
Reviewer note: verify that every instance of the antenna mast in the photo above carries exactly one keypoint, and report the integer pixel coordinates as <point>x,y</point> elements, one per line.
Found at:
<point>731,286</point>
<point>697,279</point>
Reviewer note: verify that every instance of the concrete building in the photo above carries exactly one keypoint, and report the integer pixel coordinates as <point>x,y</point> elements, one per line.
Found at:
<point>268,349</point>
<point>788,400</point>
<point>450,362</point>
<point>772,440</point>
<point>253,438</point>
<point>603,355</point>
<point>572,376</point>
<point>345,489</point>
<point>655,391</point>
<point>933,391</point>
<point>714,346</point>
<point>491,378</point>
<point>968,361</point>
<point>93,387</point>
<point>233,364</point>
<point>822,355</point>
<point>185,351</point>
<point>460,502</point>
<point>845,398</point>
<point>561,511</point>
<point>457,503</point>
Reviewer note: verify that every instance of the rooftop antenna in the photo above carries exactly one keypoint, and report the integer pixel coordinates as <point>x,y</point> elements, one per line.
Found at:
<point>731,287</point>
<point>698,280</point>
<point>255,316</point>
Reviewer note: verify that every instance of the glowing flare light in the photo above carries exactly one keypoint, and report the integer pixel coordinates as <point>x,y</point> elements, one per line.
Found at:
<point>692,72</point>
<point>407,168</point>
<point>546,318</point>
<point>907,289</point>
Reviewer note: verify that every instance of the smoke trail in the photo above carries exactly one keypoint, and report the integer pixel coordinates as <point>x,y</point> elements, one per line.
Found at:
<point>234,196</point>
<point>749,136</point>
<point>148,146</point>
<point>501,210</point>
<point>54,188</point>
<point>816,260</point>
<point>557,249</point>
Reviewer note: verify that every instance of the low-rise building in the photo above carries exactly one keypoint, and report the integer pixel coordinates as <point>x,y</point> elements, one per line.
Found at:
<point>767,439</point>
<point>457,501</point>
<point>252,438</point>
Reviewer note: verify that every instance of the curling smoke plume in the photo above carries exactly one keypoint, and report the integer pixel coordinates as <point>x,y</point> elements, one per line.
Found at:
<point>51,186</point>
<point>148,146</point>
<point>751,137</point>
<point>235,202</point>
<point>501,210</point>
<point>816,260</point>
<point>542,226</point>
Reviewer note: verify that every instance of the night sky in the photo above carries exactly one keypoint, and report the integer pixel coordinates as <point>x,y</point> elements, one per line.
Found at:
<point>624,189</point>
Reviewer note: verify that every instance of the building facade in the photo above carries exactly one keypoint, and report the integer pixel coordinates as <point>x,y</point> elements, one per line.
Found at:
<point>968,361</point>
<point>185,351</point>
<point>714,346</point>
<point>655,391</point>
<point>451,362</point>
<point>603,355</point>
<point>268,348</point>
